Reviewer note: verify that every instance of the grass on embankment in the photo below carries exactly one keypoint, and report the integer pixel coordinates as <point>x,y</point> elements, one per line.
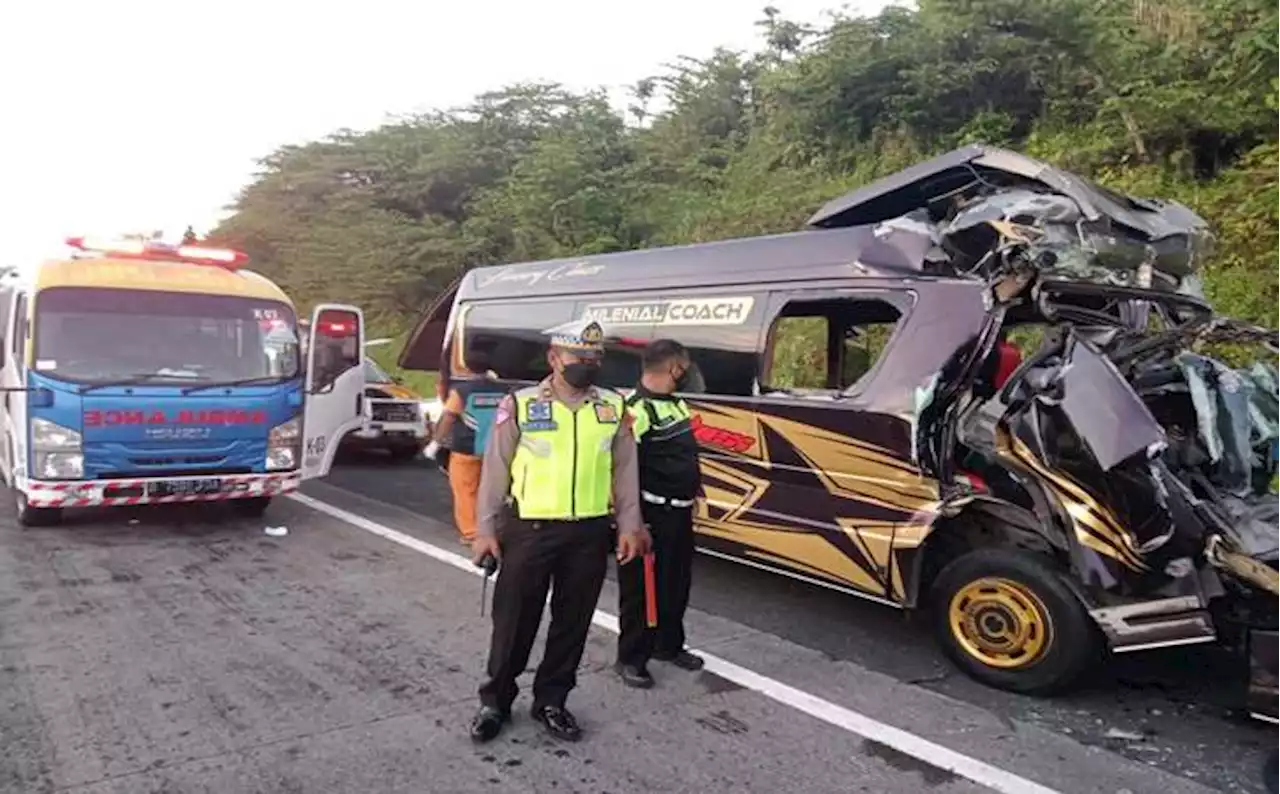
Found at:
<point>424,383</point>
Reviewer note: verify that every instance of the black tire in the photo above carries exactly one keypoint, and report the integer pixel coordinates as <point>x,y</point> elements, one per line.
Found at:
<point>1271,772</point>
<point>1006,618</point>
<point>253,507</point>
<point>29,516</point>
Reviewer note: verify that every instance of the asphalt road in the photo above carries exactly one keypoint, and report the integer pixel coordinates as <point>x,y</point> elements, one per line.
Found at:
<point>1170,709</point>
<point>184,650</point>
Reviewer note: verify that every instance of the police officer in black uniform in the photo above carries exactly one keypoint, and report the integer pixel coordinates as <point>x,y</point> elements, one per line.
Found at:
<point>670,481</point>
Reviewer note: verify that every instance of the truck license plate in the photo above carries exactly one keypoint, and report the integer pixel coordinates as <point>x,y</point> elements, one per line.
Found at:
<point>183,487</point>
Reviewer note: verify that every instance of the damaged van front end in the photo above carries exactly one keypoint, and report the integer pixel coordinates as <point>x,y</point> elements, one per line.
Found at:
<point>1154,464</point>
<point>1129,450</point>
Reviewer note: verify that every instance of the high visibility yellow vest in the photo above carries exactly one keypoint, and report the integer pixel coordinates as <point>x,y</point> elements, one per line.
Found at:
<point>650,414</point>
<point>563,466</point>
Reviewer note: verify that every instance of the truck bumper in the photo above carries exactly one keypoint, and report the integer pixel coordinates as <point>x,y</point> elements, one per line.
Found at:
<point>157,490</point>
<point>378,433</point>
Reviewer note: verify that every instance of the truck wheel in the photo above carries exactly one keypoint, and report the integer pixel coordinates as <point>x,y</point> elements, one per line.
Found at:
<point>253,507</point>
<point>29,516</point>
<point>1006,618</point>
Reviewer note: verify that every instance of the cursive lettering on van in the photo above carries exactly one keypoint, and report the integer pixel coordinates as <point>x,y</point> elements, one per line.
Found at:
<point>532,277</point>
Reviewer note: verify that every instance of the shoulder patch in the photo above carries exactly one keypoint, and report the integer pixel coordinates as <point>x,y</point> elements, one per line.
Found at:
<point>606,413</point>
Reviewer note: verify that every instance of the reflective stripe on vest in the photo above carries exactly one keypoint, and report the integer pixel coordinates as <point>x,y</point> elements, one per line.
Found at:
<point>659,417</point>
<point>563,466</point>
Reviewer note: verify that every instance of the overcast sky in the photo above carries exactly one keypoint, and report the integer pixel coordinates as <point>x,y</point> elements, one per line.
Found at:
<point>133,115</point>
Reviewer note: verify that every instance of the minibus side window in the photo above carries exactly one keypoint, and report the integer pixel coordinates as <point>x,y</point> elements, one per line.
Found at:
<point>829,343</point>
<point>800,353</point>
<point>512,332</point>
<point>724,355</point>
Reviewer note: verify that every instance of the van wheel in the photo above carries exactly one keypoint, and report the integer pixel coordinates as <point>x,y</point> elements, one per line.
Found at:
<point>253,507</point>
<point>1006,618</point>
<point>29,516</point>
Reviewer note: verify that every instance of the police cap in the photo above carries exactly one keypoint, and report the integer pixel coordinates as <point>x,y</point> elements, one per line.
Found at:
<point>583,337</point>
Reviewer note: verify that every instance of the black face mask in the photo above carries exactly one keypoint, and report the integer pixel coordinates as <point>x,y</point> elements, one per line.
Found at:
<point>580,375</point>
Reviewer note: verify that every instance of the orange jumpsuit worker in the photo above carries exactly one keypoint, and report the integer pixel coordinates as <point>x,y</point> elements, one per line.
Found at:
<point>464,426</point>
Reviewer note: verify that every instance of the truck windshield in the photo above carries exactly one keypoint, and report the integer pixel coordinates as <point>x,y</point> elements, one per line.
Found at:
<point>91,335</point>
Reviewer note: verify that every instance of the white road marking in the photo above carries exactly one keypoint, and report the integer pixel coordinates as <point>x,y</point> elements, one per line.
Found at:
<point>903,741</point>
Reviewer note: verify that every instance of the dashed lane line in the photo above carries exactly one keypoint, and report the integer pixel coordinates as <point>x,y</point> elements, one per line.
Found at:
<point>834,714</point>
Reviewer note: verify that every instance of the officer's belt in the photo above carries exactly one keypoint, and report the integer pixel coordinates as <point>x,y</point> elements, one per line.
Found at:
<point>654,499</point>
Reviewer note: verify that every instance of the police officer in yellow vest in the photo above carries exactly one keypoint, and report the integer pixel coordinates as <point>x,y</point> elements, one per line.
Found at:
<point>560,457</point>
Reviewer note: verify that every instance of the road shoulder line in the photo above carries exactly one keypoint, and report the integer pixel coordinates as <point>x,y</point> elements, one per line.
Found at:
<point>834,714</point>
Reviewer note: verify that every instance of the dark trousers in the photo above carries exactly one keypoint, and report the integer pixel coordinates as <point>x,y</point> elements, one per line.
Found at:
<point>570,558</point>
<point>672,531</point>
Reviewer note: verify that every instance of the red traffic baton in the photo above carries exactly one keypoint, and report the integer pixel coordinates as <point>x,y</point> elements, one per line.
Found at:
<point>650,592</point>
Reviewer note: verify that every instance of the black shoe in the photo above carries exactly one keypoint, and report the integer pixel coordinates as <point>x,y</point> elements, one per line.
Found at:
<point>684,660</point>
<point>633,675</point>
<point>558,722</point>
<point>487,724</point>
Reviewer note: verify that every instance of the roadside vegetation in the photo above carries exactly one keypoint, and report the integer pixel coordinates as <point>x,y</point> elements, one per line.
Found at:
<point>1164,98</point>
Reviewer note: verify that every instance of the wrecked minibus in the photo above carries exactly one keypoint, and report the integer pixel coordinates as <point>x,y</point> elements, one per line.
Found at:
<point>1012,413</point>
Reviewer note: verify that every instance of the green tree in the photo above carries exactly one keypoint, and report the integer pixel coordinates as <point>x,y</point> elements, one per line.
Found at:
<point>1170,98</point>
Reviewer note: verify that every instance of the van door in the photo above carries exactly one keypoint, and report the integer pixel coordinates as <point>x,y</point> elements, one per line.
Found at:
<point>335,384</point>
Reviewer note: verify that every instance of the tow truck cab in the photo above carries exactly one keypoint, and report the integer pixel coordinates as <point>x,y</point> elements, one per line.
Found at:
<point>136,372</point>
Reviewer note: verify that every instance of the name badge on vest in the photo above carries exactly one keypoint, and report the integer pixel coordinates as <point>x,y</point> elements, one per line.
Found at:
<point>606,414</point>
<point>538,416</point>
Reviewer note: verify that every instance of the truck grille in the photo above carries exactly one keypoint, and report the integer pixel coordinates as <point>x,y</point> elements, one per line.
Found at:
<point>394,412</point>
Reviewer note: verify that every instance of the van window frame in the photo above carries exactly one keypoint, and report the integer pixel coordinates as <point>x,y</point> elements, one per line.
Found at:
<point>904,299</point>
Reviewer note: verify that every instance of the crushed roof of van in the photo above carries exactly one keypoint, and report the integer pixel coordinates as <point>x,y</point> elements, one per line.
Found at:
<point>978,212</point>
<point>982,211</point>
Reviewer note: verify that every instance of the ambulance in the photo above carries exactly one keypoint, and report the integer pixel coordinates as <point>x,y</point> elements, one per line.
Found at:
<point>137,372</point>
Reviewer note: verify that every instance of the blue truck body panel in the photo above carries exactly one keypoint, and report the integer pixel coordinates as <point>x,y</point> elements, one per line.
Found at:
<point>156,431</point>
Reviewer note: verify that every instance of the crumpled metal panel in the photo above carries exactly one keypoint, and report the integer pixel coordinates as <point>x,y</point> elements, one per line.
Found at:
<point>1221,399</point>
<point>1253,524</point>
<point>1104,410</point>
<point>1085,231</point>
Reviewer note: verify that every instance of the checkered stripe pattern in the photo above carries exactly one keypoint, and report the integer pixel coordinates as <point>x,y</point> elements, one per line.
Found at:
<point>95,493</point>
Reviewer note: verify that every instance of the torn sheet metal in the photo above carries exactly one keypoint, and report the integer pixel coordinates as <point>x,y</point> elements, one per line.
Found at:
<point>990,210</point>
<point>1104,410</point>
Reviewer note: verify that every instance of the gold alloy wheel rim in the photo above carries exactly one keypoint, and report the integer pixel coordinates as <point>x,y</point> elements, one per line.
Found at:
<point>1001,623</point>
